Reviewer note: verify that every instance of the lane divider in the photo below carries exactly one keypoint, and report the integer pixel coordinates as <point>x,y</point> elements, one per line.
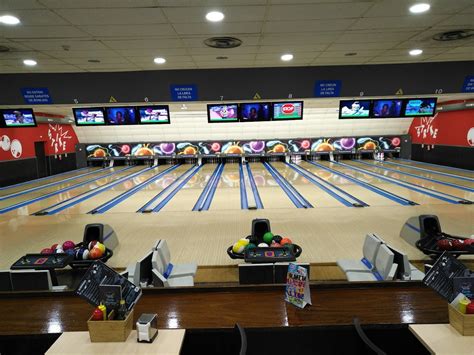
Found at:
<point>244,205</point>
<point>41,179</point>
<point>39,198</point>
<point>256,195</point>
<point>321,183</point>
<point>203,195</point>
<point>54,183</point>
<point>436,165</point>
<point>416,176</point>
<point>438,195</point>
<point>125,195</point>
<point>151,204</point>
<point>298,200</point>
<point>212,190</point>
<point>61,206</point>
<point>454,176</point>
<point>401,200</point>
<point>177,189</point>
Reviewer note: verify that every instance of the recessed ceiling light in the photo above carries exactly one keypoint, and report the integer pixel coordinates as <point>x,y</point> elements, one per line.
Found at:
<point>415,52</point>
<point>30,62</point>
<point>9,20</point>
<point>215,16</point>
<point>419,8</point>
<point>286,57</point>
<point>159,60</point>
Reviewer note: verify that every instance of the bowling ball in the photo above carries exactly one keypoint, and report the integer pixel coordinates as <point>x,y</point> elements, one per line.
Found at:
<point>189,150</point>
<point>125,149</point>
<point>268,237</point>
<point>444,244</point>
<point>325,147</point>
<point>100,246</point>
<point>277,239</point>
<point>275,244</point>
<point>82,254</point>
<point>257,146</point>
<point>244,241</point>
<point>234,149</point>
<point>99,153</point>
<point>279,148</point>
<point>70,252</point>
<point>458,244</point>
<point>56,246</point>
<point>263,245</point>
<point>396,141</point>
<point>215,147</point>
<point>348,143</point>
<point>369,146</point>
<point>95,253</point>
<point>253,240</point>
<point>250,246</point>
<point>238,248</point>
<point>285,241</point>
<point>290,247</point>
<point>47,251</point>
<point>68,244</point>
<point>144,151</point>
<point>92,244</point>
<point>167,148</point>
<point>305,144</point>
<point>468,241</point>
<point>59,251</point>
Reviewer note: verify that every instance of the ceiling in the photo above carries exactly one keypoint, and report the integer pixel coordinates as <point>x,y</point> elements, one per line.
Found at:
<point>125,35</point>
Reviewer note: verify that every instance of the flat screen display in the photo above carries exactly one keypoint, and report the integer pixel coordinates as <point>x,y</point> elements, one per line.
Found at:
<point>19,117</point>
<point>222,113</point>
<point>387,108</point>
<point>420,107</point>
<point>91,116</point>
<point>121,115</point>
<point>154,114</point>
<point>288,110</point>
<point>255,112</point>
<point>354,109</point>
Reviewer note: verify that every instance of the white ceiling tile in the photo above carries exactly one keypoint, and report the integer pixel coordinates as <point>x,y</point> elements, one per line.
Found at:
<point>41,61</point>
<point>151,52</point>
<point>233,29</point>
<point>17,4</point>
<point>373,36</point>
<point>129,30</point>
<point>169,59</point>
<point>92,54</point>
<point>231,57</point>
<point>341,54</point>
<point>207,3</point>
<point>23,55</point>
<point>38,17</point>
<point>355,47</point>
<point>317,11</point>
<point>143,43</point>
<point>198,14</point>
<point>459,21</point>
<point>300,39</point>
<point>223,52</point>
<point>402,23</point>
<point>401,8</point>
<point>95,4</point>
<point>292,48</point>
<point>300,56</point>
<point>103,61</point>
<point>55,44</point>
<point>136,16</point>
<point>307,26</point>
<point>42,32</point>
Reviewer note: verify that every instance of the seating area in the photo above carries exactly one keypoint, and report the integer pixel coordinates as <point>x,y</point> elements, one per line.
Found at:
<point>380,262</point>
<point>157,270</point>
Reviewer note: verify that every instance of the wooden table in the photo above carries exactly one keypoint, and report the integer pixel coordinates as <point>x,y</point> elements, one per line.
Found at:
<point>168,342</point>
<point>443,339</point>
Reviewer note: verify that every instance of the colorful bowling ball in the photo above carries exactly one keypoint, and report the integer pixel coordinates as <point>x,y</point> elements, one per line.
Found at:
<point>95,253</point>
<point>263,245</point>
<point>276,245</point>
<point>82,254</point>
<point>238,248</point>
<point>458,244</point>
<point>244,241</point>
<point>444,244</point>
<point>279,148</point>
<point>70,252</point>
<point>47,251</point>
<point>268,237</point>
<point>101,247</point>
<point>468,241</point>
<point>285,241</point>
<point>69,244</point>
<point>250,246</point>
<point>277,238</point>
<point>56,246</point>
<point>92,244</point>
<point>59,251</point>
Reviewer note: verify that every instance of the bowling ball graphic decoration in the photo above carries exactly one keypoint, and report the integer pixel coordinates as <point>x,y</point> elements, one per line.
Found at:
<point>367,143</point>
<point>140,150</point>
<point>254,147</point>
<point>208,147</point>
<point>232,148</point>
<point>347,143</point>
<point>125,149</point>
<point>167,148</point>
<point>396,141</point>
<point>97,151</point>
<point>322,145</point>
<point>277,147</point>
<point>299,145</point>
<point>215,147</point>
<point>187,148</point>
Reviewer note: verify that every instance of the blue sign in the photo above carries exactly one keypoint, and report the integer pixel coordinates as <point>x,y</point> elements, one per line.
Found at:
<point>36,96</point>
<point>184,92</point>
<point>468,85</point>
<point>327,88</point>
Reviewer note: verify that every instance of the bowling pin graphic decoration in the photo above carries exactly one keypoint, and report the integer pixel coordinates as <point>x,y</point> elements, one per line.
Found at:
<point>5,143</point>
<point>16,148</point>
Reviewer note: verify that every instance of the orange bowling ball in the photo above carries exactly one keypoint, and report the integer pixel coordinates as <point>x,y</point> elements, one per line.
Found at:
<point>279,148</point>
<point>95,253</point>
<point>234,149</point>
<point>144,151</point>
<point>369,145</point>
<point>325,147</point>
<point>189,150</point>
<point>99,153</point>
<point>286,241</point>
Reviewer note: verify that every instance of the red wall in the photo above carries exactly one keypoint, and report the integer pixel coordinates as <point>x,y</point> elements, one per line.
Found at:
<point>452,128</point>
<point>19,143</point>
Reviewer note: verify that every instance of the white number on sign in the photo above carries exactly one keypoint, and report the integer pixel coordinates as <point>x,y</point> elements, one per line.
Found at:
<point>438,91</point>
<point>361,93</point>
<point>222,98</point>
<point>76,101</point>
<point>145,99</point>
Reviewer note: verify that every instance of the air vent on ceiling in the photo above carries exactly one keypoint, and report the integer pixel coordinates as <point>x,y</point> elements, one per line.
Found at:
<point>4,49</point>
<point>350,54</point>
<point>94,61</point>
<point>221,57</point>
<point>453,35</point>
<point>223,42</point>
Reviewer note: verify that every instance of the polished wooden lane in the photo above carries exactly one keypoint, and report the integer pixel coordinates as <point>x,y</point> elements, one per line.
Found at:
<point>264,306</point>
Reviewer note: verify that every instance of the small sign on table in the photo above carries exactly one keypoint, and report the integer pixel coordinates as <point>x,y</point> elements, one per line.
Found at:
<point>297,286</point>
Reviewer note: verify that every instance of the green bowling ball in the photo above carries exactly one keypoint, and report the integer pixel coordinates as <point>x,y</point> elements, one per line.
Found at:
<point>268,237</point>
<point>250,246</point>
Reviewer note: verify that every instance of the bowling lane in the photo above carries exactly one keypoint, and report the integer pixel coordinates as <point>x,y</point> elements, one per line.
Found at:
<point>369,197</point>
<point>270,192</point>
<point>411,195</point>
<point>51,179</point>
<point>425,174</point>
<point>227,195</point>
<point>315,195</point>
<point>420,182</point>
<point>137,200</point>
<point>60,197</point>
<point>187,197</point>
<point>439,168</point>
<point>89,204</point>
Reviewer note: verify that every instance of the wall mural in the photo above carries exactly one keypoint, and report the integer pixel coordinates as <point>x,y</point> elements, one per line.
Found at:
<point>275,146</point>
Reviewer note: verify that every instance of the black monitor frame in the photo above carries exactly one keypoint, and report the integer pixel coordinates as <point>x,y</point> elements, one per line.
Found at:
<point>3,122</point>
<point>91,109</point>
<point>222,104</point>
<point>139,119</point>
<point>287,119</point>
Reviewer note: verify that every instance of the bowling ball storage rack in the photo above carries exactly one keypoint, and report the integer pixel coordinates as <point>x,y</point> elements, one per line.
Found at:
<point>77,264</point>
<point>428,245</point>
